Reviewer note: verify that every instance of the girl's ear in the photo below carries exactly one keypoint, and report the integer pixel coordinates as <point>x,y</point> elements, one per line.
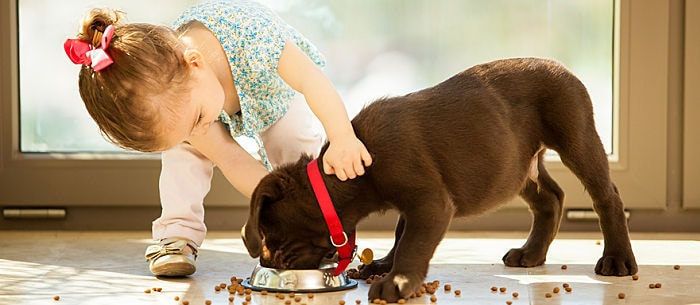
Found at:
<point>193,58</point>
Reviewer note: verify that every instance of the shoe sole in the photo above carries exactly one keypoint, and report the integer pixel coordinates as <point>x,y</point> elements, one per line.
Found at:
<point>174,269</point>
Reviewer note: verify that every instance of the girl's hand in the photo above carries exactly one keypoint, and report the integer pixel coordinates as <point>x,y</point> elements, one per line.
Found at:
<point>346,158</point>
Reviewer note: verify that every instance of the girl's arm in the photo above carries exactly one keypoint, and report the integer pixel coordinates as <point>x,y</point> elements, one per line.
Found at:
<point>241,169</point>
<point>346,155</point>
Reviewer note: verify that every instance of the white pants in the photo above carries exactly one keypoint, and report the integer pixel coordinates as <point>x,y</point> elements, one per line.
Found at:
<point>185,177</point>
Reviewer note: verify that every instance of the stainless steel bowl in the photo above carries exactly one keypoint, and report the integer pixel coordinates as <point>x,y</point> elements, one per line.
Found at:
<point>306,280</point>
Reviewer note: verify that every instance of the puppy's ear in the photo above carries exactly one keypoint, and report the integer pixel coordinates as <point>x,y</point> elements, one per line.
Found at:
<point>269,190</point>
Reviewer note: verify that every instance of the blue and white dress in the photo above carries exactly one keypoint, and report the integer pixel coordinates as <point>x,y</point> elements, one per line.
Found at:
<point>253,37</point>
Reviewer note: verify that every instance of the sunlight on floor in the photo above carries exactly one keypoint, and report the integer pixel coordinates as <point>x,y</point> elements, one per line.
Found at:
<point>109,268</point>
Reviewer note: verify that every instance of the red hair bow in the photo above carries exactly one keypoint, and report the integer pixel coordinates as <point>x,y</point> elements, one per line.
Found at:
<point>83,53</point>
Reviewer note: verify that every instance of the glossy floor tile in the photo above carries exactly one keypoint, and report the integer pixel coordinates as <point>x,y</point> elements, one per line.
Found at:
<point>108,268</point>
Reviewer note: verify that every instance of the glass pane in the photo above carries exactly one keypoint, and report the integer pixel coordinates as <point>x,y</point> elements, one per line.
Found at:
<point>373,48</point>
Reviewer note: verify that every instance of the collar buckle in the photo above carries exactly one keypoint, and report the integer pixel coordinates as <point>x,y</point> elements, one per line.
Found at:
<point>345,241</point>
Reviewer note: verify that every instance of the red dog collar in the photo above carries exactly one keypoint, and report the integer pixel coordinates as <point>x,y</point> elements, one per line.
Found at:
<point>344,244</point>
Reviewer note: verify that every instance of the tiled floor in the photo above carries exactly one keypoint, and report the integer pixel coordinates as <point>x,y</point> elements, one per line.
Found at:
<point>108,268</point>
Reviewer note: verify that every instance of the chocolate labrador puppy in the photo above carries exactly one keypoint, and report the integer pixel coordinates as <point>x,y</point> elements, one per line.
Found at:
<point>460,148</point>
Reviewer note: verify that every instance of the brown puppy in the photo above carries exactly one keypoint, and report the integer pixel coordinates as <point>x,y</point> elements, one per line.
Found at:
<point>467,145</point>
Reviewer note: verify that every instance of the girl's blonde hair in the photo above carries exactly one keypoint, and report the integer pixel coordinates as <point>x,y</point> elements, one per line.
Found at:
<point>147,76</point>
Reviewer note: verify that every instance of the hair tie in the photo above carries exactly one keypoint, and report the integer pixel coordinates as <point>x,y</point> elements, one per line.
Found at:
<point>83,53</point>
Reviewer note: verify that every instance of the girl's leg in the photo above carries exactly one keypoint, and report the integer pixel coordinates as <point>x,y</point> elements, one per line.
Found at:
<point>185,180</point>
<point>297,132</point>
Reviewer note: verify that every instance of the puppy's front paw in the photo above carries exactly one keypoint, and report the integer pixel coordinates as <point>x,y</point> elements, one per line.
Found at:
<point>523,257</point>
<point>392,287</point>
<point>616,265</point>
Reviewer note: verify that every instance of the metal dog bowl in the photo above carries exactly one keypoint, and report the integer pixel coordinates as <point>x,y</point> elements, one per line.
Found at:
<point>301,280</point>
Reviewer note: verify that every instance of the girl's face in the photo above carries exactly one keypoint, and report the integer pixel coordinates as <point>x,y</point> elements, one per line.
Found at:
<point>201,107</point>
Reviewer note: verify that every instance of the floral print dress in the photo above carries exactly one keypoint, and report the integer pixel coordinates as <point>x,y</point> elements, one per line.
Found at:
<point>253,37</point>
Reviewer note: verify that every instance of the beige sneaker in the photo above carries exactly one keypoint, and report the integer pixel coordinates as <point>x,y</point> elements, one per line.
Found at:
<point>172,257</point>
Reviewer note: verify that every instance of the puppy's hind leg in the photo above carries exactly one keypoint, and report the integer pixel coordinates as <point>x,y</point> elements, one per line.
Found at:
<point>588,161</point>
<point>384,264</point>
<point>545,199</point>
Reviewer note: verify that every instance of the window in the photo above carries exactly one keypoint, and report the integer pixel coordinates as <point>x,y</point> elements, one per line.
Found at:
<point>620,50</point>
<point>374,48</point>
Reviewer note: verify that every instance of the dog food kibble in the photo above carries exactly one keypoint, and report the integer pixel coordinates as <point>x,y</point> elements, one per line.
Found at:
<point>515,294</point>
<point>509,302</point>
<point>555,290</point>
<point>494,288</point>
<point>597,242</point>
<point>185,302</point>
<point>503,289</point>
<point>287,302</point>
<point>207,302</point>
<point>657,285</point>
<point>56,298</point>
<point>375,301</point>
<point>341,302</point>
<point>382,302</point>
<point>433,299</point>
<point>176,298</point>
<point>652,286</point>
<point>217,288</point>
<point>620,295</point>
<point>568,289</point>
<point>297,299</point>
<point>547,295</point>
<point>448,287</point>
<point>248,298</point>
<point>458,292</point>
<point>635,277</point>
<point>677,267</point>
<point>565,285</point>
<point>563,267</point>
<point>401,301</point>
<point>358,302</point>
<point>147,291</point>
<point>230,299</point>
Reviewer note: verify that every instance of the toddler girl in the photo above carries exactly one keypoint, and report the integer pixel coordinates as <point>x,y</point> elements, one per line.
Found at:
<point>226,69</point>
